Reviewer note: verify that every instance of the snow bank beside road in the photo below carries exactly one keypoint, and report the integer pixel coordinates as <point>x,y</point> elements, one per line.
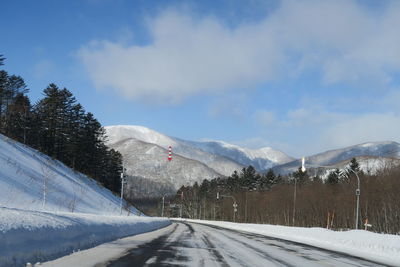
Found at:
<point>380,248</point>
<point>33,236</point>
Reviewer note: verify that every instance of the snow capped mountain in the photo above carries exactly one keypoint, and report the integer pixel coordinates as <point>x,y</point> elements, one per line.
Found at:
<point>224,158</point>
<point>121,132</point>
<point>261,159</point>
<point>209,159</point>
<point>220,164</point>
<point>149,161</point>
<point>332,157</point>
<point>24,171</point>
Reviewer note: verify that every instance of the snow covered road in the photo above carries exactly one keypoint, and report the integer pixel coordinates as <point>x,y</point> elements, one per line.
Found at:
<point>191,244</point>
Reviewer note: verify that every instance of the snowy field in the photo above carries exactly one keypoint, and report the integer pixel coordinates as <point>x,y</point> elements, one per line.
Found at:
<point>33,236</point>
<point>382,248</point>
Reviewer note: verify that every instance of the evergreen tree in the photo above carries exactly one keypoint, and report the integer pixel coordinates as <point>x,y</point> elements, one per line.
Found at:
<point>58,126</point>
<point>249,178</point>
<point>18,114</point>
<point>10,87</point>
<point>354,165</point>
<point>270,177</point>
<point>301,177</point>
<point>204,188</point>
<point>333,177</point>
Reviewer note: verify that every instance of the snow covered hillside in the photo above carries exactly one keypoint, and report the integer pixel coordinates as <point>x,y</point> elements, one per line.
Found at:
<point>149,161</point>
<point>261,159</point>
<point>48,210</point>
<point>369,165</point>
<point>25,172</point>
<point>224,158</point>
<point>380,153</point>
<point>193,161</point>
<point>220,164</point>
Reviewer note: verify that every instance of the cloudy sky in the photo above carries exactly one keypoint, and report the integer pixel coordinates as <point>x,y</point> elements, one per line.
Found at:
<point>299,76</point>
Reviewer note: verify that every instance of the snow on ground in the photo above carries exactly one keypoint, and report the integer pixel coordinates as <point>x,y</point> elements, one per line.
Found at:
<point>24,172</point>
<point>382,248</point>
<point>34,236</point>
<point>78,212</point>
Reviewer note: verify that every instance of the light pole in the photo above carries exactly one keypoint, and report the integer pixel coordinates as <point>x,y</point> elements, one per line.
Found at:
<point>294,201</point>
<point>303,170</point>
<point>358,192</point>
<point>162,209</point>
<point>122,188</point>
<point>235,205</point>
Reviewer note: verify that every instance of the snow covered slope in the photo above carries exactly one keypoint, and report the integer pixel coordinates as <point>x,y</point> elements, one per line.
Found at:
<point>24,171</point>
<point>224,158</point>
<point>261,159</point>
<point>220,164</point>
<point>149,161</point>
<point>388,150</point>
<point>78,213</point>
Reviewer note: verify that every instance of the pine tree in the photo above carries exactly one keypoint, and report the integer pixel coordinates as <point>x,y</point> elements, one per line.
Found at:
<point>18,114</point>
<point>249,178</point>
<point>333,177</point>
<point>301,177</point>
<point>2,60</point>
<point>270,177</point>
<point>354,165</point>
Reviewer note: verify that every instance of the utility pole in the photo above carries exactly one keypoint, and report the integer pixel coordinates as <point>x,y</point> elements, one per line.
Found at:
<point>122,192</point>
<point>303,170</point>
<point>358,191</point>
<point>181,205</point>
<point>162,210</point>
<point>235,205</point>
<point>122,188</point>
<point>294,201</point>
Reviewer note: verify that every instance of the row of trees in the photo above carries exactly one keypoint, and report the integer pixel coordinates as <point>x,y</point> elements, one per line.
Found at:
<point>58,126</point>
<point>297,199</point>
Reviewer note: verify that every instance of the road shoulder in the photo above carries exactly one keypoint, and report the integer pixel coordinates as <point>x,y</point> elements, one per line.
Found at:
<point>104,253</point>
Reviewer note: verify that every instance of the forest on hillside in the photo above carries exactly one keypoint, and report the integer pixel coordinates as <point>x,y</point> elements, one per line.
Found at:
<point>57,125</point>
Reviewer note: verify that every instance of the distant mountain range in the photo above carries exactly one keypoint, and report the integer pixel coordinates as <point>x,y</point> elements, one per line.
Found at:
<point>222,157</point>
<point>145,154</point>
<point>335,158</point>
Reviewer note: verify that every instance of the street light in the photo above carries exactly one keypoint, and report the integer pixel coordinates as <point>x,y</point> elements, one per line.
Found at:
<point>303,170</point>
<point>162,209</point>
<point>235,205</point>
<point>122,187</point>
<point>358,191</point>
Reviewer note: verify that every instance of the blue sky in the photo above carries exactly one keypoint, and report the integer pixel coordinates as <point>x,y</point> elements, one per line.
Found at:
<point>299,76</point>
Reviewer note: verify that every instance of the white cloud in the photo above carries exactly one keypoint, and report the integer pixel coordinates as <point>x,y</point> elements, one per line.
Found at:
<point>363,128</point>
<point>233,106</point>
<point>265,117</point>
<point>312,129</point>
<point>343,40</point>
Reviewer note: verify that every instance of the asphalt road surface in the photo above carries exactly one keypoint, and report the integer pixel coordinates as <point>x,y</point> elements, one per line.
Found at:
<point>190,244</point>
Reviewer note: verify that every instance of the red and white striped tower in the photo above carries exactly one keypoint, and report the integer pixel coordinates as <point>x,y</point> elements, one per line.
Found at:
<point>169,153</point>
